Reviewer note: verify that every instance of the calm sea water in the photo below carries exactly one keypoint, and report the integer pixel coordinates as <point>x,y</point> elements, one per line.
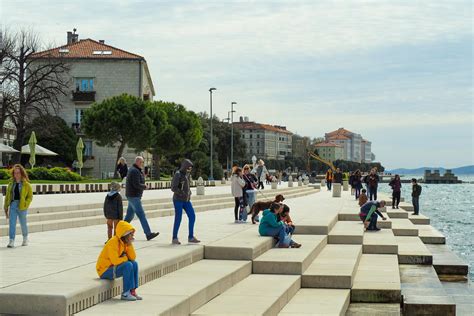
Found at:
<point>450,208</point>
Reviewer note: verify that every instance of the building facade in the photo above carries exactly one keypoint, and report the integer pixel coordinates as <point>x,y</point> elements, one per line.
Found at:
<point>99,71</point>
<point>330,151</point>
<point>355,147</point>
<point>300,145</point>
<point>265,141</point>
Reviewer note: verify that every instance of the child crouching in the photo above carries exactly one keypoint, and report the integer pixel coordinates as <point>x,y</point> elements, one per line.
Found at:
<point>117,259</point>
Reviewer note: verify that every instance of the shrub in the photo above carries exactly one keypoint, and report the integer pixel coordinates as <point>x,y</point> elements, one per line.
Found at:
<point>4,174</point>
<point>42,173</point>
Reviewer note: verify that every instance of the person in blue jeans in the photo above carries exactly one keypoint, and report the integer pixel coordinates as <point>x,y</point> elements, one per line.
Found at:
<point>134,192</point>
<point>180,185</point>
<point>271,226</point>
<point>117,259</point>
<point>415,196</point>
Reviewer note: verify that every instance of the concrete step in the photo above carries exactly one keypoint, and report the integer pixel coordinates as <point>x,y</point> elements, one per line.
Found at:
<point>71,291</point>
<point>320,224</point>
<point>353,215</point>
<point>373,309</point>
<point>318,302</point>
<point>411,250</point>
<point>446,263</point>
<point>258,294</point>
<point>430,235</point>
<point>380,242</point>
<point>377,280</point>
<point>423,293</point>
<point>203,281</point>
<point>406,206</point>
<point>290,261</point>
<point>334,267</point>
<point>396,213</point>
<point>403,227</point>
<point>346,232</point>
<point>419,219</point>
<point>246,245</point>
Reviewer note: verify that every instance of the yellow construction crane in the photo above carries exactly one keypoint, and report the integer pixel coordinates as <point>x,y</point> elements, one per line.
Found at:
<point>326,162</point>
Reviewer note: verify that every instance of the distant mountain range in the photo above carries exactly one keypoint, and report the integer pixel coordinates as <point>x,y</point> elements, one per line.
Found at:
<point>456,171</point>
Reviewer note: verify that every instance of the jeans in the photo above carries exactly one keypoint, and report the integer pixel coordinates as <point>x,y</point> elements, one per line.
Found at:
<point>373,220</point>
<point>135,207</point>
<point>357,192</point>
<point>416,204</point>
<point>373,193</point>
<point>251,198</point>
<point>14,213</point>
<point>329,185</point>
<point>396,198</point>
<point>278,232</point>
<point>129,271</point>
<point>178,215</point>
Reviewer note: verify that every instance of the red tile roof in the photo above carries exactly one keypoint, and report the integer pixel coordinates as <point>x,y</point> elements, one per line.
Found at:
<point>340,131</point>
<point>253,125</point>
<point>328,144</point>
<point>89,49</point>
<point>337,137</point>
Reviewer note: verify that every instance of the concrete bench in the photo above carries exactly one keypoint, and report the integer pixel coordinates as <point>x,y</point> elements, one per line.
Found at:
<point>73,290</point>
<point>403,227</point>
<point>256,295</point>
<point>320,301</point>
<point>411,250</point>
<point>377,280</point>
<point>423,293</point>
<point>397,213</point>
<point>246,245</point>
<point>381,242</point>
<point>290,261</point>
<point>363,309</point>
<point>319,224</point>
<point>446,262</point>
<point>419,219</point>
<point>334,267</point>
<point>203,281</point>
<point>430,235</point>
<point>348,232</point>
<point>406,206</point>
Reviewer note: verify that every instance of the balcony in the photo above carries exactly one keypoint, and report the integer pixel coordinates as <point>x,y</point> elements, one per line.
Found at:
<point>76,127</point>
<point>83,96</point>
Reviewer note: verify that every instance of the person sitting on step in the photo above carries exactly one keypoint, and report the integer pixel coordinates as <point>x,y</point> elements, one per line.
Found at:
<point>284,216</point>
<point>271,226</point>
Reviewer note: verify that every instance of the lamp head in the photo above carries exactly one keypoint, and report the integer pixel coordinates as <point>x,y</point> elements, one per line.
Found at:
<point>234,103</point>
<point>212,89</point>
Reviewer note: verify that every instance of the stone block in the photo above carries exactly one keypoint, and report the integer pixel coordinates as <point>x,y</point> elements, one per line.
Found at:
<point>381,242</point>
<point>411,250</point>
<point>320,301</point>
<point>336,190</point>
<point>346,232</point>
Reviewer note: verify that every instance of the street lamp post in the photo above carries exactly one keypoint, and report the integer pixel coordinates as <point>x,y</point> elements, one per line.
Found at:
<point>211,177</point>
<point>232,133</point>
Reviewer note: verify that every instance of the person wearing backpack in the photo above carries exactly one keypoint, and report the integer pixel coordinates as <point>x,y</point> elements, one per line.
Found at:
<point>415,196</point>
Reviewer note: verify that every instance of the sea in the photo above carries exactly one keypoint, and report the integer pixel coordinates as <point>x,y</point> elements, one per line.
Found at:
<point>450,208</point>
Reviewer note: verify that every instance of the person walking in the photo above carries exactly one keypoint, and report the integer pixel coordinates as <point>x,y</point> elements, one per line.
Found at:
<point>134,192</point>
<point>237,184</point>
<point>262,173</point>
<point>17,201</point>
<point>329,178</point>
<point>357,183</point>
<point>338,176</point>
<point>373,182</point>
<point>122,168</point>
<point>415,196</point>
<point>113,209</point>
<point>181,186</point>
<point>396,185</point>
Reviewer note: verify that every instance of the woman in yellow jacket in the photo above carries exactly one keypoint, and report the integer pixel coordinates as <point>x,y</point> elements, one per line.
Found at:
<point>118,259</point>
<point>329,179</point>
<point>17,200</point>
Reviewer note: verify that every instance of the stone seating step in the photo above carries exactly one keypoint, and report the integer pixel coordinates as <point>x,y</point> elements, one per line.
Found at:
<point>411,250</point>
<point>406,206</point>
<point>373,309</point>
<point>181,292</point>
<point>320,224</point>
<point>419,219</point>
<point>290,261</point>
<point>246,245</point>
<point>446,262</point>
<point>430,235</point>
<point>353,215</point>
<point>396,213</point>
<point>377,280</point>
<point>258,294</point>
<point>380,242</point>
<point>73,290</point>
<point>334,267</point>
<point>346,232</point>
<point>318,302</point>
<point>423,293</point>
<point>403,227</point>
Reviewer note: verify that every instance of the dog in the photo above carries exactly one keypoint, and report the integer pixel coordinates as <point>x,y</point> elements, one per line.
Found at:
<point>263,205</point>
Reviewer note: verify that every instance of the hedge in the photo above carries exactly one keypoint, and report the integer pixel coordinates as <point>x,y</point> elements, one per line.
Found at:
<point>42,173</point>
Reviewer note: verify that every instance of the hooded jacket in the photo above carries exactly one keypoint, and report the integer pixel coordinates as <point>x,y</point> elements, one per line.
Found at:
<point>113,206</point>
<point>115,251</point>
<point>269,220</point>
<point>181,183</point>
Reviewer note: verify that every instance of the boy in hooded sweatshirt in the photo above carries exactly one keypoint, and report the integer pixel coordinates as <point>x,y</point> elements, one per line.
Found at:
<point>181,186</point>
<point>113,209</point>
<point>117,259</point>
<point>271,226</point>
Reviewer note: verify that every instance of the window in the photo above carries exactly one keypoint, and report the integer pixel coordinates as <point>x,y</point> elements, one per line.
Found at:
<point>79,115</point>
<point>88,148</point>
<point>258,143</point>
<point>84,84</point>
<point>146,97</point>
<point>258,135</point>
<point>251,135</point>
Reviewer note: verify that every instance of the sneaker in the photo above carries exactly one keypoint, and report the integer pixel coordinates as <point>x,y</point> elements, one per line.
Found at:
<point>127,296</point>
<point>11,244</point>
<point>176,241</point>
<point>150,236</point>
<point>25,241</point>
<point>414,214</point>
<point>194,240</point>
<point>134,293</point>
<point>296,245</point>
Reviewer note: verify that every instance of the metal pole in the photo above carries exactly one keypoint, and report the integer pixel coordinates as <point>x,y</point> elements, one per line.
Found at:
<point>232,134</point>
<point>211,177</point>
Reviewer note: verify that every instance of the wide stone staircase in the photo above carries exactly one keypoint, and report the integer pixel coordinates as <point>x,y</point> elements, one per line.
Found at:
<point>339,270</point>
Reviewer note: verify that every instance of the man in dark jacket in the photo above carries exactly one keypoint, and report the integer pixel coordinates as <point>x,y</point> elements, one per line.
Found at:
<point>338,176</point>
<point>134,192</point>
<point>373,183</point>
<point>415,196</point>
<point>181,186</point>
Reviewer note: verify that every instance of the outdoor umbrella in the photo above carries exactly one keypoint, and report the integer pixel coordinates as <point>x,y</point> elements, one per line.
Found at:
<point>7,149</point>
<point>32,144</point>
<point>39,150</point>
<point>79,151</point>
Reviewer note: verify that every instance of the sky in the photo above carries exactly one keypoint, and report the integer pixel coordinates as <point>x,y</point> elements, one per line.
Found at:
<point>398,72</point>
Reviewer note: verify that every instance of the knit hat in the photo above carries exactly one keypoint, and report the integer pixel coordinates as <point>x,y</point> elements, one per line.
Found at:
<point>115,186</point>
